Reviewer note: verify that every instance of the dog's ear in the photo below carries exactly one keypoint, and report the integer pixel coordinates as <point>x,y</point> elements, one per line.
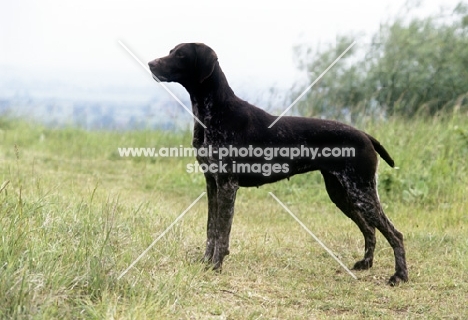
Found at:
<point>205,61</point>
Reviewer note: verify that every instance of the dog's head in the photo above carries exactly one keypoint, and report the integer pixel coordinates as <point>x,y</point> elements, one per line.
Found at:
<point>187,64</point>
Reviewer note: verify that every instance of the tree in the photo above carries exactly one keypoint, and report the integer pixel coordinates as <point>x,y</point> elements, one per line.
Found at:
<point>416,66</point>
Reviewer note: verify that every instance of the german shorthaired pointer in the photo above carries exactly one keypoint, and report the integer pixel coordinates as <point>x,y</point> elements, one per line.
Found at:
<point>234,123</point>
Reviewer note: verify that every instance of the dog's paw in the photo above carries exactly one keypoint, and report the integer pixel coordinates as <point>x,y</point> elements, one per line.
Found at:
<point>210,265</point>
<point>363,264</point>
<point>396,279</point>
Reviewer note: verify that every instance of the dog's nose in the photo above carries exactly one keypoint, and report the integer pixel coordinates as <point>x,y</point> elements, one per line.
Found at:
<point>153,63</point>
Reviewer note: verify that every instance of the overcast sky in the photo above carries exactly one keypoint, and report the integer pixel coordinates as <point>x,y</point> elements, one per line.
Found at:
<point>253,39</point>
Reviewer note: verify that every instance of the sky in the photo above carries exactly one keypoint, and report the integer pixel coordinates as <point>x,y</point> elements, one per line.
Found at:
<point>254,40</point>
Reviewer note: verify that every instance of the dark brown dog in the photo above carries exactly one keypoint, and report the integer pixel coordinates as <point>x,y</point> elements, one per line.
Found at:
<point>230,121</point>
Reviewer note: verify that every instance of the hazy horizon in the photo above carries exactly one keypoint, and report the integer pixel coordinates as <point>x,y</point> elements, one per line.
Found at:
<point>63,51</point>
<point>254,40</point>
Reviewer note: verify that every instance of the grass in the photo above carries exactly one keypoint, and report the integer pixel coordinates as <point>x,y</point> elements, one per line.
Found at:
<point>74,215</point>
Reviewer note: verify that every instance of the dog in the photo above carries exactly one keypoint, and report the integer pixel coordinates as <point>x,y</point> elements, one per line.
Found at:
<point>226,121</point>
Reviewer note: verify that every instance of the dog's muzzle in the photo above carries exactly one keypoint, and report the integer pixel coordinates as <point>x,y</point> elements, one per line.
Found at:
<point>152,66</point>
<point>155,78</point>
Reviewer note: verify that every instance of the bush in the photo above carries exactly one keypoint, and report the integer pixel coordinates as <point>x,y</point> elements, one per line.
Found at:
<point>413,67</point>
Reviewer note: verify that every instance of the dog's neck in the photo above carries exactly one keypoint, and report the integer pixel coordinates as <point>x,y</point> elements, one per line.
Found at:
<point>212,89</point>
<point>207,100</point>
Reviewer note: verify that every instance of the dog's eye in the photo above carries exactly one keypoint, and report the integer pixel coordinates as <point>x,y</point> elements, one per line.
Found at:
<point>179,54</point>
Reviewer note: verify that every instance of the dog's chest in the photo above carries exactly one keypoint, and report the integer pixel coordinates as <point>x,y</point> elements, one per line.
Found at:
<point>217,134</point>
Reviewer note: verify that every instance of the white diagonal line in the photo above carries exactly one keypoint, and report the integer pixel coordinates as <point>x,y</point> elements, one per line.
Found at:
<point>162,84</point>
<point>160,236</point>
<point>313,83</point>
<point>313,235</point>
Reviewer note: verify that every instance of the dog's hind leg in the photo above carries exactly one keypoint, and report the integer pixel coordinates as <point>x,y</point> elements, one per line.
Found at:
<point>226,190</point>
<point>211,190</point>
<point>362,196</point>
<point>365,195</point>
<point>395,238</point>
<point>340,196</point>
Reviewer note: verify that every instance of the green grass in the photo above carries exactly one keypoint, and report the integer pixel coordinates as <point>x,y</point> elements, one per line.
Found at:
<point>74,215</point>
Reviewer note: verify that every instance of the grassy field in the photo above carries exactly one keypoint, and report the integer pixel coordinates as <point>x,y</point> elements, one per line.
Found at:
<point>74,215</point>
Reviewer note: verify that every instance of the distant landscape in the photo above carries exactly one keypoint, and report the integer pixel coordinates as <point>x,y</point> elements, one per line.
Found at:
<point>110,107</point>
<point>105,104</point>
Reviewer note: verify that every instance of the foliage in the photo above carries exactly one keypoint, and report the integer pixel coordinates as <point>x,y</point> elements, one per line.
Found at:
<point>411,67</point>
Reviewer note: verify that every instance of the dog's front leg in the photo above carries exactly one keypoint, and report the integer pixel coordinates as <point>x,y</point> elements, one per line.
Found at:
<point>226,195</point>
<point>211,190</point>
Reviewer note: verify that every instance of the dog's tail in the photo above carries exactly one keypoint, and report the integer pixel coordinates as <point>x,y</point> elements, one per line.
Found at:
<point>381,151</point>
